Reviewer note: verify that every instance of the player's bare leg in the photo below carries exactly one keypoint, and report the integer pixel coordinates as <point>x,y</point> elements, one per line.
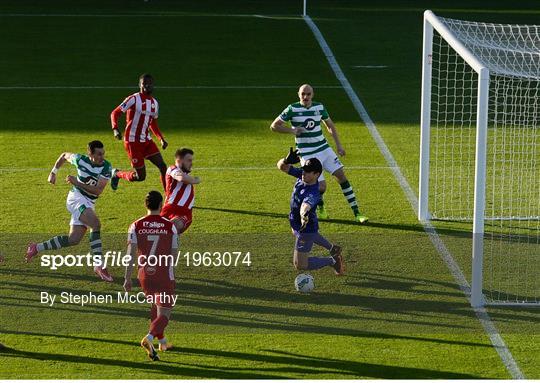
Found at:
<point>348,193</point>
<point>300,260</point>
<point>76,233</point>
<point>179,224</point>
<point>157,160</point>
<point>303,261</point>
<point>321,210</point>
<point>90,219</point>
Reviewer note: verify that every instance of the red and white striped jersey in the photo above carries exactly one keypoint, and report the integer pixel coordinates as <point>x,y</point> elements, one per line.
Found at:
<point>176,192</point>
<point>141,110</point>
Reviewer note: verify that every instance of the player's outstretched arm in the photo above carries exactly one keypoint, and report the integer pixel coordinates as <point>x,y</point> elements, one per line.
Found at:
<point>333,131</point>
<point>185,178</point>
<point>283,166</point>
<point>64,157</point>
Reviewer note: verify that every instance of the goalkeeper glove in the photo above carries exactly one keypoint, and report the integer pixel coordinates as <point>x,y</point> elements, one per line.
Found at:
<point>292,157</point>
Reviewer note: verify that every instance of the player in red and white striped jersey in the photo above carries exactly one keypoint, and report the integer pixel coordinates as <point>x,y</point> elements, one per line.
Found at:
<point>154,242</point>
<point>142,111</point>
<point>180,192</point>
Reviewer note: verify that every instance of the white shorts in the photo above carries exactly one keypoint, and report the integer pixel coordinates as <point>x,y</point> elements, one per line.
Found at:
<point>329,161</point>
<point>76,203</point>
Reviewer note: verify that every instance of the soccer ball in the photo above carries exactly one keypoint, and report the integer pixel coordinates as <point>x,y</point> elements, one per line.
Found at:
<point>304,283</point>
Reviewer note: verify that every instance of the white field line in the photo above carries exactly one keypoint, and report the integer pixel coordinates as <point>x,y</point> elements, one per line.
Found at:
<point>370,66</point>
<point>481,313</point>
<point>168,14</point>
<point>201,87</point>
<point>210,168</point>
<point>277,17</point>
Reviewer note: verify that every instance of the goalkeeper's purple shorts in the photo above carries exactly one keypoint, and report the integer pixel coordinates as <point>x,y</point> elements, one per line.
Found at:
<point>304,241</point>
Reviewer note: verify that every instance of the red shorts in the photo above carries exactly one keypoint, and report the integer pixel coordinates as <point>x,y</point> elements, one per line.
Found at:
<point>162,290</point>
<point>138,151</point>
<point>172,212</point>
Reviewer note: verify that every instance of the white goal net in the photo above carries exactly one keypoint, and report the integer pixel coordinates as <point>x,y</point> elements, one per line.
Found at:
<point>508,182</point>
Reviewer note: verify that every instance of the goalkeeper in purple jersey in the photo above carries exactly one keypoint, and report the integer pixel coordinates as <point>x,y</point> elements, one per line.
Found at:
<point>303,219</point>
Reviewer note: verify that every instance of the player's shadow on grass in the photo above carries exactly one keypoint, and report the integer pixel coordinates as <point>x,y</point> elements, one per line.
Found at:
<point>271,214</point>
<point>309,365</point>
<point>210,304</point>
<point>289,365</point>
<point>192,290</point>
<point>63,276</point>
<point>400,283</point>
<point>384,304</point>
<point>216,289</point>
<point>403,284</point>
<point>349,222</point>
<point>220,320</point>
<point>245,212</point>
<point>214,318</point>
<point>166,368</point>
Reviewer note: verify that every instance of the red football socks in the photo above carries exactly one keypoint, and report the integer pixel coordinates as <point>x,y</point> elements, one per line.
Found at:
<point>158,325</point>
<point>128,175</point>
<point>153,313</point>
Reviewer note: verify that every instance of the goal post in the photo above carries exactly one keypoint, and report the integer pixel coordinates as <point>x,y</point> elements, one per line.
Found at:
<point>480,149</point>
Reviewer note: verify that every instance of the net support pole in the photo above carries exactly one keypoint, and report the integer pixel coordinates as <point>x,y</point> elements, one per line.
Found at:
<point>477,297</point>
<point>425,121</point>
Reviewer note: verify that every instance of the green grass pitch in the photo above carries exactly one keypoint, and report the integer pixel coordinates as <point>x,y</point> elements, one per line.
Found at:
<point>397,314</point>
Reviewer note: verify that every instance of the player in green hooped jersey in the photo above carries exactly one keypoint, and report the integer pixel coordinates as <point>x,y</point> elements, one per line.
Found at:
<point>305,117</point>
<point>93,174</point>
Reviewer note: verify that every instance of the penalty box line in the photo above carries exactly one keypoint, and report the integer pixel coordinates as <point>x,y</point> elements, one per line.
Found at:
<point>481,313</point>
<point>161,14</point>
<point>208,168</point>
<point>186,87</point>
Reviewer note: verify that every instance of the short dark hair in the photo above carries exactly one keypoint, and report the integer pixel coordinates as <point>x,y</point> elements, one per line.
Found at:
<point>312,165</point>
<point>145,76</point>
<point>153,200</point>
<point>96,144</point>
<point>182,152</point>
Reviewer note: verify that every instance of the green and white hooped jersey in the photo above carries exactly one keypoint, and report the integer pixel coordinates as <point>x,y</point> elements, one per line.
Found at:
<point>88,173</point>
<point>312,141</point>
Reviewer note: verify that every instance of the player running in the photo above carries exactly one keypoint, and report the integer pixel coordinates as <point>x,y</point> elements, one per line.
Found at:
<point>305,117</point>
<point>303,219</point>
<point>93,173</point>
<point>142,112</point>
<point>154,236</point>
<point>180,191</point>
